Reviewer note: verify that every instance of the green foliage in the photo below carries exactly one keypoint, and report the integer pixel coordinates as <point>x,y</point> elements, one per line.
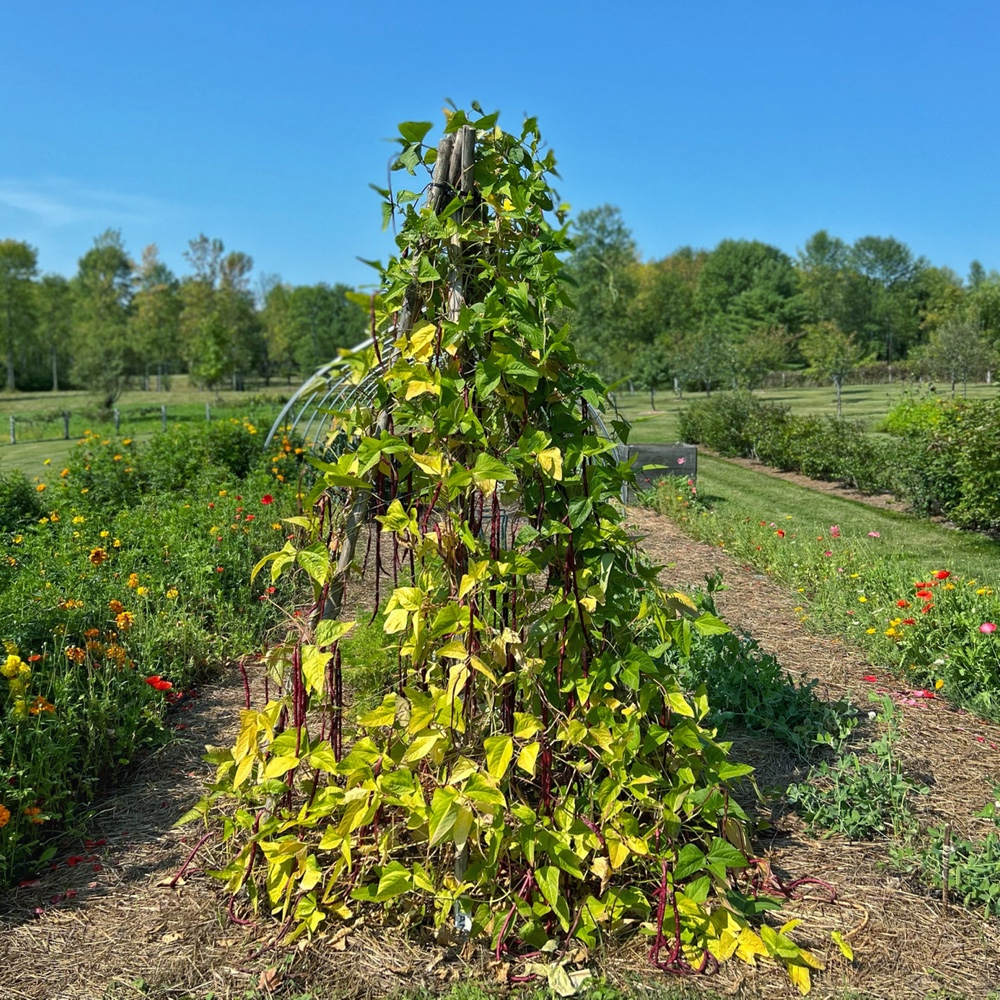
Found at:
<point>111,586</point>
<point>20,502</point>
<point>970,866</point>
<point>536,773</point>
<point>749,687</point>
<point>860,798</point>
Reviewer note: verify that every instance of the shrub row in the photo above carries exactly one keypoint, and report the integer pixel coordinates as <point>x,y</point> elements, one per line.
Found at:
<point>942,456</point>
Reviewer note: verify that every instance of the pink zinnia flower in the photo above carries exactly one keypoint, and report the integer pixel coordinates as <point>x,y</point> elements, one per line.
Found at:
<point>987,627</point>
<point>828,553</point>
<point>874,534</point>
<point>835,531</point>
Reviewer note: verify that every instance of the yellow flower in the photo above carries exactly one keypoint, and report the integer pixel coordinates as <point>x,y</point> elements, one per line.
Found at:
<point>870,631</point>
<point>949,586</point>
<point>20,708</point>
<point>863,599</point>
<point>53,515</point>
<point>104,534</point>
<point>18,539</point>
<point>40,487</point>
<point>79,519</point>
<point>47,461</point>
<point>890,631</point>
<point>10,666</point>
<point>276,527</point>
<point>116,544</point>
<point>64,473</point>
<point>172,593</point>
<point>938,684</point>
<point>124,620</point>
<point>127,441</point>
<point>133,580</point>
<point>142,591</point>
<point>97,556</point>
<point>86,489</point>
<point>222,493</point>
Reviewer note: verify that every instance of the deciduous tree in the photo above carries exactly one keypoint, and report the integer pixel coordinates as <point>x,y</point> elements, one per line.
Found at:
<point>18,267</point>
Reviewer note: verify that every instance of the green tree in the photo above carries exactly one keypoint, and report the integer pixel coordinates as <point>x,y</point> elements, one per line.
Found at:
<point>155,319</point>
<point>219,325</point>
<point>602,269</point>
<point>959,351</point>
<point>103,352</point>
<point>18,268</point>
<point>55,322</point>
<point>832,354</point>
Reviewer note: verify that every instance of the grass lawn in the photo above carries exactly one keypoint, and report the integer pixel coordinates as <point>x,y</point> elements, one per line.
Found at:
<point>40,429</point>
<point>913,544</point>
<point>860,402</point>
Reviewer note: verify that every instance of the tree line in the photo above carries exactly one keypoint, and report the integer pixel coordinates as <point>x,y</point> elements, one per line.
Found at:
<point>118,321</point>
<point>731,315</point>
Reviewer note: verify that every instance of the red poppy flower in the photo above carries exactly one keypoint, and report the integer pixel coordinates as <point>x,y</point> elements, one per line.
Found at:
<point>156,681</point>
<point>266,499</point>
<point>942,574</point>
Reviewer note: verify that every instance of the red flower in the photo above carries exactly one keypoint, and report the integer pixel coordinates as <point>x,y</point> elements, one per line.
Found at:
<point>926,608</point>
<point>250,517</point>
<point>925,594</point>
<point>901,603</point>
<point>156,681</point>
<point>780,532</point>
<point>987,627</point>
<point>266,499</point>
<point>921,586</point>
<point>871,678</point>
<point>942,574</point>
<point>908,621</point>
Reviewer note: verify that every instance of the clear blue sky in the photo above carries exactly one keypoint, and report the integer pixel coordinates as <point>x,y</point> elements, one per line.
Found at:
<point>262,123</point>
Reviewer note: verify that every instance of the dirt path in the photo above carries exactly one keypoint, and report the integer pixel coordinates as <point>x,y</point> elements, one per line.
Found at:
<point>125,925</point>
<point>101,918</point>
<point>906,942</point>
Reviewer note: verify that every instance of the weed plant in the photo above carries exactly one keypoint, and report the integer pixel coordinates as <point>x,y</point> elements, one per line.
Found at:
<point>861,797</point>
<point>971,867</point>
<point>123,578</point>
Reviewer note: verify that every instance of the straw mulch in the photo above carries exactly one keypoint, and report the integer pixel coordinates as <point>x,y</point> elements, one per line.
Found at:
<point>127,932</point>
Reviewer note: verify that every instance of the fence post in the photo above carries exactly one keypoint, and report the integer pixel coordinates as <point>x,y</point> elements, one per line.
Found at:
<point>118,419</point>
<point>208,411</point>
<point>13,432</point>
<point>163,415</point>
<point>65,417</point>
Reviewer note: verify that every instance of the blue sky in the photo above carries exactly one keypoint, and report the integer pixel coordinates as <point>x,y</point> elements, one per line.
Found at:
<point>263,123</point>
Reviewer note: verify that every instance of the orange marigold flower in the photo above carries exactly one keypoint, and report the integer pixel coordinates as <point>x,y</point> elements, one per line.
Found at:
<point>116,606</point>
<point>41,704</point>
<point>4,815</point>
<point>133,580</point>
<point>124,620</point>
<point>34,814</point>
<point>76,654</point>
<point>97,556</point>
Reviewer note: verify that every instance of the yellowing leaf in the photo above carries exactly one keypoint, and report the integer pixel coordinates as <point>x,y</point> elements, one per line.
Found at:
<point>617,852</point>
<point>550,461</point>
<point>454,650</point>
<point>277,766</point>
<point>395,621</point>
<point>799,974</point>
<point>525,725</point>
<point>528,757</point>
<point>421,342</point>
<point>499,750</point>
<point>431,464</point>
<point>417,387</point>
<point>845,949</point>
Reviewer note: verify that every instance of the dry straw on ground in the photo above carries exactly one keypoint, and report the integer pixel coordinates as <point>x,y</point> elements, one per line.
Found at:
<point>127,924</point>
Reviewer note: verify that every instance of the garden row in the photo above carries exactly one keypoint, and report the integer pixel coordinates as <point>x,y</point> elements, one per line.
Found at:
<point>124,577</point>
<point>942,456</point>
<point>860,578</point>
